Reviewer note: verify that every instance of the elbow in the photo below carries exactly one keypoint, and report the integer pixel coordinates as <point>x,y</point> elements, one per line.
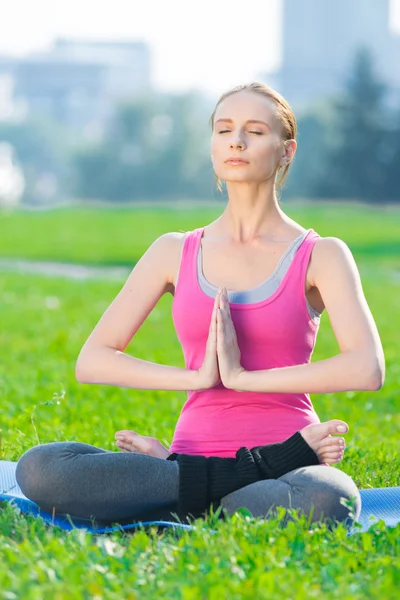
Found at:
<point>376,382</point>
<point>90,364</point>
<point>82,367</point>
<point>80,373</point>
<point>377,376</point>
<point>369,371</point>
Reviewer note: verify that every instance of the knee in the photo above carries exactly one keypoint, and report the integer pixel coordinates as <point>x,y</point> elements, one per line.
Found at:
<point>36,470</point>
<point>332,497</point>
<point>342,500</point>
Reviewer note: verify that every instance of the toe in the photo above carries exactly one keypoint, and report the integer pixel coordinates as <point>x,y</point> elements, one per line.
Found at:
<point>335,427</point>
<point>126,435</point>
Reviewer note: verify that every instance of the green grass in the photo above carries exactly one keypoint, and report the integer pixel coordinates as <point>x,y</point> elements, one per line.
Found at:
<point>108,236</point>
<point>41,402</point>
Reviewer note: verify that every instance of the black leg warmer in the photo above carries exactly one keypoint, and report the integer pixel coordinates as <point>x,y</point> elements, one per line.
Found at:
<point>204,481</point>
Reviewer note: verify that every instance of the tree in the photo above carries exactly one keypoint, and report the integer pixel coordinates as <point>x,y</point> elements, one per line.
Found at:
<point>357,161</point>
<point>155,147</point>
<point>42,149</point>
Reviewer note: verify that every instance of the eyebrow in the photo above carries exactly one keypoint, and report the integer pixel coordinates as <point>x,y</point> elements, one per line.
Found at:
<point>248,121</point>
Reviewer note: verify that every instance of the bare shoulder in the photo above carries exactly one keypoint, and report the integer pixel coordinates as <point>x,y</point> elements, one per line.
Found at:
<point>171,242</point>
<point>328,246</point>
<point>168,249</point>
<point>328,254</point>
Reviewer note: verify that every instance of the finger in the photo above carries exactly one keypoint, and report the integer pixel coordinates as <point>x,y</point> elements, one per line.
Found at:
<point>224,306</point>
<point>222,300</point>
<point>227,310</point>
<point>216,304</point>
<point>212,336</point>
<point>222,311</point>
<point>219,294</point>
<point>227,304</point>
<point>214,316</point>
<point>213,323</point>
<point>220,320</point>
<point>225,301</point>
<point>229,328</point>
<point>220,329</point>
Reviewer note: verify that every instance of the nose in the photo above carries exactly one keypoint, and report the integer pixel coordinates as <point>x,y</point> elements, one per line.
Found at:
<point>237,143</point>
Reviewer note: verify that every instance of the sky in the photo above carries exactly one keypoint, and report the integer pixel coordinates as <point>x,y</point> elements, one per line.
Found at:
<point>208,44</point>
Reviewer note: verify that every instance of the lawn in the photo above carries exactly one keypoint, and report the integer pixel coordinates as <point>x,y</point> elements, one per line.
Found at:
<point>44,323</point>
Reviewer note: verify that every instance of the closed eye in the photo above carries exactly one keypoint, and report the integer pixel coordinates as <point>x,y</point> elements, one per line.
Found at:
<point>256,132</point>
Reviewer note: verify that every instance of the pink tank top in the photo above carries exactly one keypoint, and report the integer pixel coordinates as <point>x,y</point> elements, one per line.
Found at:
<point>275,332</point>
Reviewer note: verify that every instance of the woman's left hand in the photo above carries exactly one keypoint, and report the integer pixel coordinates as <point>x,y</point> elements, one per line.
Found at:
<point>228,351</point>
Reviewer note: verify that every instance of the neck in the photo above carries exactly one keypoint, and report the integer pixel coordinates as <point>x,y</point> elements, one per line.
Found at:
<point>251,212</point>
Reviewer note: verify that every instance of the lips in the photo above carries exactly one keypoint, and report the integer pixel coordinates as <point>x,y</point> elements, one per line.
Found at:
<point>236,160</point>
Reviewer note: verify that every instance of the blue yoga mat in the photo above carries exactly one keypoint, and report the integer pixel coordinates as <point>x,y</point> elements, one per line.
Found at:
<point>377,504</point>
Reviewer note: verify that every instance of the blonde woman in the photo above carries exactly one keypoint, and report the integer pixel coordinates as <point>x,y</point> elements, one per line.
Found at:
<point>249,290</point>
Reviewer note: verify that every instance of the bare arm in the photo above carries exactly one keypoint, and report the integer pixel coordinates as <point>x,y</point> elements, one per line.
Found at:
<point>102,359</point>
<point>361,363</point>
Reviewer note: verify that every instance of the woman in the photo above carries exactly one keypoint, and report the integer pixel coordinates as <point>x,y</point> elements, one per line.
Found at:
<point>248,434</point>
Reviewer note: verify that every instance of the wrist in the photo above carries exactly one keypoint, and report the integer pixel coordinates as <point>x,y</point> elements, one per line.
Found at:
<point>237,380</point>
<point>197,382</point>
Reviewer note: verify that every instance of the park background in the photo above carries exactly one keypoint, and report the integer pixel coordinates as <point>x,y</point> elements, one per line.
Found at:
<point>104,146</point>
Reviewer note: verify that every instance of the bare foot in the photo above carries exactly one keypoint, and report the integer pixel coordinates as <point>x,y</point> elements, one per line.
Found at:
<point>130,441</point>
<point>319,437</point>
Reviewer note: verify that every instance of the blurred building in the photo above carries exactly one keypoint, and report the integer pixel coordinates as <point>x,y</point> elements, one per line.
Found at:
<point>12,182</point>
<point>320,39</point>
<point>78,82</point>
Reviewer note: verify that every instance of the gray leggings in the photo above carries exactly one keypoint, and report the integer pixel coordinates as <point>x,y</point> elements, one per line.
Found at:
<point>93,483</point>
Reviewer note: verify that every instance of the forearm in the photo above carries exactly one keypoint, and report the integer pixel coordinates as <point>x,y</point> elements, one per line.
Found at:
<point>344,372</point>
<point>109,366</point>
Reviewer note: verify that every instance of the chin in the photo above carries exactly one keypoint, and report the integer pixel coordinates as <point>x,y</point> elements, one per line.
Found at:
<point>240,180</point>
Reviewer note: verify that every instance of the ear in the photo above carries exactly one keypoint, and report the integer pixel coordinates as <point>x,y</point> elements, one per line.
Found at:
<point>289,150</point>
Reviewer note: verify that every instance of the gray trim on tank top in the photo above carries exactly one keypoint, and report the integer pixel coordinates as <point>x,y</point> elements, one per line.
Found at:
<point>265,289</point>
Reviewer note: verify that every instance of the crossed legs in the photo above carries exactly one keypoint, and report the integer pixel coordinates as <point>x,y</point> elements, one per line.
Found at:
<point>315,490</point>
<point>90,482</point>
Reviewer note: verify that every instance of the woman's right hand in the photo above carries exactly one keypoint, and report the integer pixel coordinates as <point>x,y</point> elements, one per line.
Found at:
<point>208,374</point>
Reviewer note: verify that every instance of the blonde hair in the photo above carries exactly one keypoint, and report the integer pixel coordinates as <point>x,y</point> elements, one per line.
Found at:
<point>284,115</point>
